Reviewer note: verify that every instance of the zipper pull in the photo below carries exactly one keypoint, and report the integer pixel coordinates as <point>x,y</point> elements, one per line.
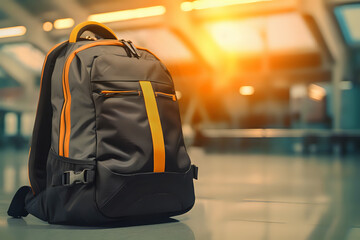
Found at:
<point>128,46</point>
<point>137,55</point>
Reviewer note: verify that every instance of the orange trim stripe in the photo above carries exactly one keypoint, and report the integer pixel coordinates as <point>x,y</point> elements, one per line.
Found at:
<point>173,97</point>
<point>65,122</point>
<point>155,126</point>
<point>29,173</point>
<point>115,91</point>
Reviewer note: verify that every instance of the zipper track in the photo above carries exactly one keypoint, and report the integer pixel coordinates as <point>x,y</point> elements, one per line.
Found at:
<point>110,93</point>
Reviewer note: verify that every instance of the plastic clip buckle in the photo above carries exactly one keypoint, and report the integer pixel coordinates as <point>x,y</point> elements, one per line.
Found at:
<point>71,177</point>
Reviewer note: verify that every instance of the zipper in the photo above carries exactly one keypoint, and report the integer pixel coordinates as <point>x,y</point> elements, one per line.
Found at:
<point>130,46</point>
<point>137,55</point>
<point>167,95</point>
<point>112,93</point>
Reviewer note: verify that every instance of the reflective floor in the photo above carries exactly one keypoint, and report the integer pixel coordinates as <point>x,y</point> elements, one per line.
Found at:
<point>252,196</point>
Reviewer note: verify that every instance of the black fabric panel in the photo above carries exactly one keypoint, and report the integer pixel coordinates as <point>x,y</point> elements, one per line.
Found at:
<point>114,197</point>
<point>73,204</point>
<point>17,206</point>
<point>36,205</point>
<point>41,138</point>
<point>143,193</point>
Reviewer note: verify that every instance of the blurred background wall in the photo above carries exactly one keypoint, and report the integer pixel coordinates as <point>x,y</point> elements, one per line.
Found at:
<point>250,75</point>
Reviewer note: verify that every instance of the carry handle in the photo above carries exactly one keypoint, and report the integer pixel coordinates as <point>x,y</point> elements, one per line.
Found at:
<point>94,27</point>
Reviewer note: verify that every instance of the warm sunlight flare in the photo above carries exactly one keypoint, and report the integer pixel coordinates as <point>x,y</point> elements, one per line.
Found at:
<point>247,90</point>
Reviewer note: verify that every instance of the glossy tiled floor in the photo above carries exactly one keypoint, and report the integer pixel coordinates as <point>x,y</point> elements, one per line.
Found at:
<point>246,197</point>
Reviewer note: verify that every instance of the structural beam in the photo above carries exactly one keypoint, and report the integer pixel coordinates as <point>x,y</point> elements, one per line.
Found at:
<point>322,15</point>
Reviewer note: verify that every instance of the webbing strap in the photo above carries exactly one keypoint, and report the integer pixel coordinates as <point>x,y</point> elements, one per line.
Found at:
<point>155,126</point>
<point>17,205</point>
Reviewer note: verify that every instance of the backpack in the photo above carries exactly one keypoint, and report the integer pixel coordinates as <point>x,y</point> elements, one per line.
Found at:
<point>107,143</point>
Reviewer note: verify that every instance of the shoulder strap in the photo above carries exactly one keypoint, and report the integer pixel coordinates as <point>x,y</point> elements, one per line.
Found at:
<point>17,206</point>
<point>41,138</point>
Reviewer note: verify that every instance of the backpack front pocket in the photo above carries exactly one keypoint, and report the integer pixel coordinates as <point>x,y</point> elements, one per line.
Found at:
<point>122,127</point>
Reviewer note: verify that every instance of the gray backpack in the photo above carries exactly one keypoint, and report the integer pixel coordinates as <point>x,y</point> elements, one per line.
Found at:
<point>107,143</point>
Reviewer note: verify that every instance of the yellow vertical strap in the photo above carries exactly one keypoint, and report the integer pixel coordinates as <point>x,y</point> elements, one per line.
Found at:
<point>155,126</point>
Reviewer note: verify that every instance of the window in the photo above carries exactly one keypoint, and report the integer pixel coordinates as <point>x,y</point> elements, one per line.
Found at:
<point>348,17</point>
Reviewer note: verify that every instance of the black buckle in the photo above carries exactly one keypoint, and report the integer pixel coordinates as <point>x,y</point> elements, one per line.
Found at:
<point>71,177</point>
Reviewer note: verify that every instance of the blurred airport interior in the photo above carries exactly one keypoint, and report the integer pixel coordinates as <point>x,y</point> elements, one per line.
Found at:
<point>268,85</point>
<point>273,70</point>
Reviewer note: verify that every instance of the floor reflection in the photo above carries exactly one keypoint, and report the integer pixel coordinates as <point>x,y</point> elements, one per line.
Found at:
<point>252,196</point>
<point>23,228</point>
